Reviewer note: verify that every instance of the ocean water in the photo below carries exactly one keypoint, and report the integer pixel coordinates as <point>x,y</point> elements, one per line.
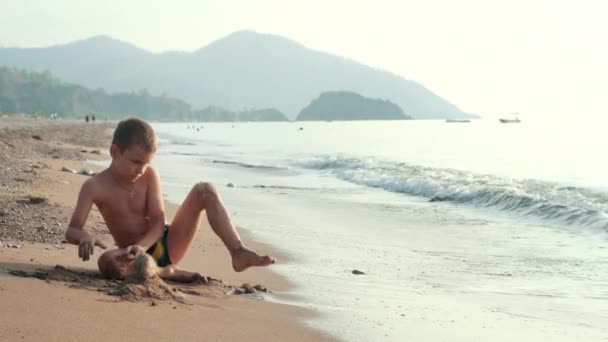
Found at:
<point>465,231</point>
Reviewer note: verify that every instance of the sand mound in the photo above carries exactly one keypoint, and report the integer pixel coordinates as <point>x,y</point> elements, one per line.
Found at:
<point>144,285</point>
<point>152,288</point>
<point>78,279</point>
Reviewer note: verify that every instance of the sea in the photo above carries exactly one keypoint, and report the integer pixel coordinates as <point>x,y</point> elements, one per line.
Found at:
<point>417,230</point>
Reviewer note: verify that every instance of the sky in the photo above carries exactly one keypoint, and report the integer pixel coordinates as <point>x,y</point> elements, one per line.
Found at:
<point>543,59</point>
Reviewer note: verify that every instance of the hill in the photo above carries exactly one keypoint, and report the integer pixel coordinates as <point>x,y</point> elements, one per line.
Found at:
<point>344,105</point>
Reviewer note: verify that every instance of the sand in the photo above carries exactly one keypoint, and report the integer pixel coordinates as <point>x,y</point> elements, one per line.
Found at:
<point>48,293</point>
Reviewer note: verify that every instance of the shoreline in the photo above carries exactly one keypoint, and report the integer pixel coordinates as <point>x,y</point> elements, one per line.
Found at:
<point>434,270</point>
<point>37,229</point>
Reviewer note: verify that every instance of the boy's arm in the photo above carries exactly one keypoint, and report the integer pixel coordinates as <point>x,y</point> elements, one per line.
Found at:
<point>75,233</point>
<point>174,273</point>
<point>156,211</point>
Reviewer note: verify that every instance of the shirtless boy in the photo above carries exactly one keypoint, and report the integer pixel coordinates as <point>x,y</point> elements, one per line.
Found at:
<point>129,197</point>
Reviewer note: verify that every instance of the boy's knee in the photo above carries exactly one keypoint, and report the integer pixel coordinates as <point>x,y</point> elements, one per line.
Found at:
<point>206,191</point>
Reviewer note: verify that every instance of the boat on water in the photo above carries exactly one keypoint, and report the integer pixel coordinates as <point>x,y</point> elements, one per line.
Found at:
<point>514,119</point>
<point>457,120</point>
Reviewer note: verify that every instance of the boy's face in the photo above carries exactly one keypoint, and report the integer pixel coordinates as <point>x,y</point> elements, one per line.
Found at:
<point>132,162</point>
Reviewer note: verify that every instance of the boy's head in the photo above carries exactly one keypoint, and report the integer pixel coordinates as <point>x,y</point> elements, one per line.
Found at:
<point>118,264</point>
<point>133,146</point>
<point>134,131</point>
<point>115,264</point>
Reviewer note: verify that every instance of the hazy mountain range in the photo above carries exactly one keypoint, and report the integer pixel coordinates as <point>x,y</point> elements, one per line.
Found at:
<point>242,70</point>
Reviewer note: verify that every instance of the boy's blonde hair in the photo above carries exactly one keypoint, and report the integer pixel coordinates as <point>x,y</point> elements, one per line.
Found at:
<point>134,131</point>
<point>109,267</point>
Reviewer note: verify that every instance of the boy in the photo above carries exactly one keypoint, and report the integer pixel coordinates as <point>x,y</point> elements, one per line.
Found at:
<point>129,197</point>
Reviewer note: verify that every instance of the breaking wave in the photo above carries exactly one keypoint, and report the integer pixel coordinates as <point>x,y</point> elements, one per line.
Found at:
<point>552,201</point>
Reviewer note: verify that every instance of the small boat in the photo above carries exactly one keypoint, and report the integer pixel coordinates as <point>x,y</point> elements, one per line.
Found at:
<point>457,120</point>
<point>515,119</point>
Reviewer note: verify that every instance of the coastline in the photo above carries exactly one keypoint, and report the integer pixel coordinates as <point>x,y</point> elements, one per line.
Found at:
<point>31,238</point>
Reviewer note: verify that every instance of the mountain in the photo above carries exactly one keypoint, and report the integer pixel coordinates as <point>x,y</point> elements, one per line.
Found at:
<point>96,62</point>
<point>345,105</point>
<point>242,70</point>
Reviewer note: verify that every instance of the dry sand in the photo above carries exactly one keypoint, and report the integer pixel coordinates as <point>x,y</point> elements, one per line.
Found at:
<point>48,293</point>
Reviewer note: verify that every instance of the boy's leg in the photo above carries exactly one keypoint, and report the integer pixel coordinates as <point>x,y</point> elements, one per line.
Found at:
<point>204,196</point>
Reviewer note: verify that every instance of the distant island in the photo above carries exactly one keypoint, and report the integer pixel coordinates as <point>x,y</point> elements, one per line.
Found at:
<point>346,105</point>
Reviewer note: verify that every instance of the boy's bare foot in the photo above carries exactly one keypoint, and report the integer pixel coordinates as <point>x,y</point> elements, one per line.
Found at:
<point>243,258</point>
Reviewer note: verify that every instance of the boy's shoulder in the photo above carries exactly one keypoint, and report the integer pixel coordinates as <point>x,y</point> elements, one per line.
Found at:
<point>149,174</point>
<point>96,181</point>
<point>151,171</point>
<point>103,180</point>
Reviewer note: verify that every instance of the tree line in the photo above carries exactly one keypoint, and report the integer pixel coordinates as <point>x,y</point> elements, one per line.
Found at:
<point>24,91</point>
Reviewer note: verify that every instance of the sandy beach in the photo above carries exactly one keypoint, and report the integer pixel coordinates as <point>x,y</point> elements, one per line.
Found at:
<point>48,293</point>
<point>433,270</point>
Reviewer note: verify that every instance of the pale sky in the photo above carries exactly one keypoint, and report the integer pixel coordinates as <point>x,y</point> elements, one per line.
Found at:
<point>540,58</point>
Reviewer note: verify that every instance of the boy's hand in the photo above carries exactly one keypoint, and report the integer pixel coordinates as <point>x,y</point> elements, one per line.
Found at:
<point>134,251</point>
<point>86,246</point>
